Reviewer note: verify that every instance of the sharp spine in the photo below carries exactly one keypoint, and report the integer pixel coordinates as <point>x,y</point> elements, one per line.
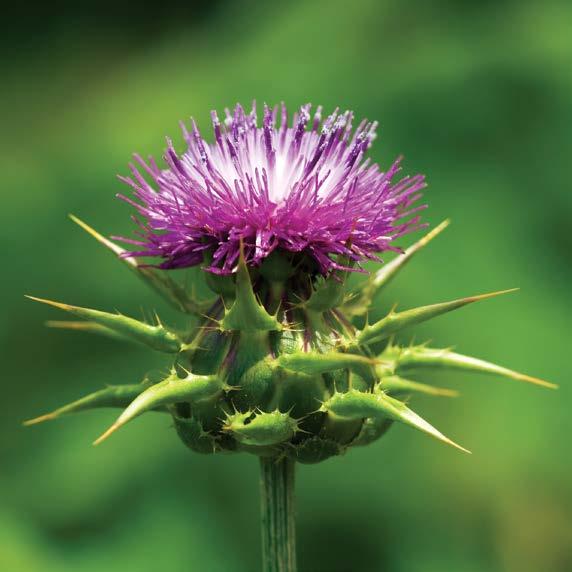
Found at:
<point>110,396</point>
<point>368,290</point>
<point>355,404</point>
<point>246,313</point>
<point>419,357</point>
<point>169,289</point>
<point>192,389</point>
<point>397,321</point>
<point>89,327</point>
<point>156,337</point>
<point>397,384</point>
<point>315,363</point>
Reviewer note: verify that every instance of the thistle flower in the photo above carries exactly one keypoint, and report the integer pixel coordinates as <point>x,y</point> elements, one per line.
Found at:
<point>301,188</point>
<point>277,365</point>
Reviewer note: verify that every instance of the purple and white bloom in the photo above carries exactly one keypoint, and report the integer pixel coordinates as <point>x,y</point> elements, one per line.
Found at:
<point>304,187</point>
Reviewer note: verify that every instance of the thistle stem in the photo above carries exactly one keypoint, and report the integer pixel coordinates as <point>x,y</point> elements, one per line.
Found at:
<point>277,512</point>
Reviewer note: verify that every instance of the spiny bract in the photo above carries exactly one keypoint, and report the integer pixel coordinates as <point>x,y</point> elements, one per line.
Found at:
<point>274,365</point>
<point>290,376</point>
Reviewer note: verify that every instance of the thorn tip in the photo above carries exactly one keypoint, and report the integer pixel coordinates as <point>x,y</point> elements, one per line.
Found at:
<point>537,381</point>
<point>491,294</point>
<point>107,433</point>
<point>40,419</point>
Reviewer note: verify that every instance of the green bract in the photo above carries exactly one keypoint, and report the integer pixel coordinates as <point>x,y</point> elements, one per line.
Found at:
<point>275,366</point>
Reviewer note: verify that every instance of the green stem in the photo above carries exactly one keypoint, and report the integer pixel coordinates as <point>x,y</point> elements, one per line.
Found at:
<point>278,518</point>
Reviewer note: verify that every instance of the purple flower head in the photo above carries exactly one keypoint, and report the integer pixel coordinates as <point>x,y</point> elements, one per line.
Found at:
<point>303,188</point>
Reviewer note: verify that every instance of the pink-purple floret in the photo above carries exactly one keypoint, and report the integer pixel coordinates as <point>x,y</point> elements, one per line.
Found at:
<point>304,188</point>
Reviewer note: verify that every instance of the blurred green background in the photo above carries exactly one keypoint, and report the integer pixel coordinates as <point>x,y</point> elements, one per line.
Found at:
<point>477,95</point>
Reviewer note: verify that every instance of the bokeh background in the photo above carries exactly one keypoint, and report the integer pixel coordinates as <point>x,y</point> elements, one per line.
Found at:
<point>477,95</point>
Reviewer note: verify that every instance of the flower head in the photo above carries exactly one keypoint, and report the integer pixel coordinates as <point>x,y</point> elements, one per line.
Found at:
<point>303,187</point>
